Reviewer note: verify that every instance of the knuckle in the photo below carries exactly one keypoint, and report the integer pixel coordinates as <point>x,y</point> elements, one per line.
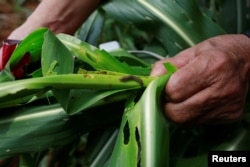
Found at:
<point>158,69</point>
<point>177,116</point>
<point>173,93</point>
<point>159,64</point>
<point>218,61</point>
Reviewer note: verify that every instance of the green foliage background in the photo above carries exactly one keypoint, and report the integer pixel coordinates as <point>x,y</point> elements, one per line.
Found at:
<point>87,137</point>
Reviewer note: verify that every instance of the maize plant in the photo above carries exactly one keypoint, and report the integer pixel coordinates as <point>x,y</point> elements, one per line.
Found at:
<point>65,102</point>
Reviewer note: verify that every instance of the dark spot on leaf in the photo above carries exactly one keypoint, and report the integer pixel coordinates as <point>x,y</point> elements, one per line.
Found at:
<point>137,137</point>
<point>126,133</point>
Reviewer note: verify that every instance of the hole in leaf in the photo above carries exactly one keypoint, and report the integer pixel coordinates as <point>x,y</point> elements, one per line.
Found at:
<point>137,98</point>
<point>126,133</point>
<point>137,137</point>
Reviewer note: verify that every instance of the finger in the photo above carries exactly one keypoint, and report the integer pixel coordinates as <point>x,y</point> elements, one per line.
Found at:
<point>191,108</point>
<point>158,68</point>
<point>221,115</point>
<point>179,61</point>
<point>200,73</point>
<point>190,79</point>
<point>206,106</point>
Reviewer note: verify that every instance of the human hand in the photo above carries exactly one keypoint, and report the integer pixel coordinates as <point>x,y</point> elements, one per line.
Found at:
<point>66,17</point>
<point>211,82</point>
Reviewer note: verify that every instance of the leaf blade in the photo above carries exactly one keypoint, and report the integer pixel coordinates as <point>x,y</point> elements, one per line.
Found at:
<point>147,142</point>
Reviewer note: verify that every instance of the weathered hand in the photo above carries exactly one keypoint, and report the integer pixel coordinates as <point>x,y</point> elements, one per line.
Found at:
<point>211,83</point>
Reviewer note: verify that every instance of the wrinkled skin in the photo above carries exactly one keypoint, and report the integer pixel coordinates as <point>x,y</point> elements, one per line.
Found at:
<point>211,83</point>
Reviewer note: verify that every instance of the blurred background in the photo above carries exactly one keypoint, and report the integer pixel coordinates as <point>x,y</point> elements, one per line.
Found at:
<point>13,13</point>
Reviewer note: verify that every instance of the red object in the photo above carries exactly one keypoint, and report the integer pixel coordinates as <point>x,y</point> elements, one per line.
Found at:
<point>8,46</point>
<point>19,70</point>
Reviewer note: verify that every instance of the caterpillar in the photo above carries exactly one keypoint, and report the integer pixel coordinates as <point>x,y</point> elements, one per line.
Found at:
<point>132,78</point>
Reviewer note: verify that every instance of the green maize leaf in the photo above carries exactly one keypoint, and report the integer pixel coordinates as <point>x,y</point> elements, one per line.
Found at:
<point>26,160</point>
<point>26,126</point>
<point>36,73</point>
<point>84,99</point>
<point>125,56</point>
<point>37,128</point>
<point>178,24</point>
<point>18,101</point>
<point>92,27</point>
<point>99,147</point>
<point>143,136</point>
<point>170,68</point>
<point>98,59</point>
<point>33,86</point>
<point>32,44</point>
<point>156,47</point>
<point>6,75</point>
<point>56,59</point>
<point>142,70</point>
<point>40,97</point>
